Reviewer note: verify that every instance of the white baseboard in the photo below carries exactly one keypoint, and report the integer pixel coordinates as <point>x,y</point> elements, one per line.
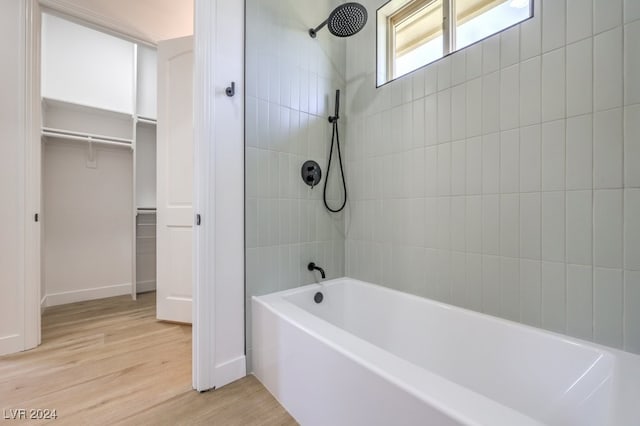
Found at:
<point>87,294</point>
<point>145,286</point>
<point>230,371</point>
<point>11,344</point>
<point>43,303</point>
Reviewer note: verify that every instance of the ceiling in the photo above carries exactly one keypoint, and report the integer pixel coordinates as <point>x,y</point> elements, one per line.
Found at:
<point>147,20</point>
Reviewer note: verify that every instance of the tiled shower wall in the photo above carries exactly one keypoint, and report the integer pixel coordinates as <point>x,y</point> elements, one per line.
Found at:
<point>291,82</point>
<point>506,177</point>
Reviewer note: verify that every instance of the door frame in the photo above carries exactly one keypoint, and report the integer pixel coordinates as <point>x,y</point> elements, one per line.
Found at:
<point>33,178</point>
<point>218,314</point>
<point>218,285</point>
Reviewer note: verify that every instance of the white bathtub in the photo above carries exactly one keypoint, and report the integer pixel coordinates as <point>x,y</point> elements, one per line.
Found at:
<point>368,355</point>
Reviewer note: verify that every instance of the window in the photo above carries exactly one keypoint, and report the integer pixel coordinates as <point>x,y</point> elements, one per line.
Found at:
<point>413,33</point>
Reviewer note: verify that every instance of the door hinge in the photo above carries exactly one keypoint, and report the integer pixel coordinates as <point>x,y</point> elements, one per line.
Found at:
<point>198,220</point>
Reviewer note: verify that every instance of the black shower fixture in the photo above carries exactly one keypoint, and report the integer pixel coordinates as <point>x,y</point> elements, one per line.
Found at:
<point>311,173</point>
<point>345,20</point>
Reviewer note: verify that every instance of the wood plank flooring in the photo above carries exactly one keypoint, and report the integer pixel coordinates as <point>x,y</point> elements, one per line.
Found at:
<point>111,362</point>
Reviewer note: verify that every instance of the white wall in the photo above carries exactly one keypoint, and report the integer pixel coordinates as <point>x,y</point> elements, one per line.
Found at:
<point>506,177</point>
<point>11,177</point>
<point>146,165</point>
<point>291,83</point>
<point>85,66</point>
<point>87,222</point>
<point>147,82</point>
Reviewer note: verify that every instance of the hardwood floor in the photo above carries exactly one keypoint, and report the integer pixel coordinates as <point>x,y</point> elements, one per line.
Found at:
<point>110,362</point>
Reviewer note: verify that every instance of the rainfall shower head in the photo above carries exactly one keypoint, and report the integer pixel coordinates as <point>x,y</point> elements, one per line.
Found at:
<point>345,20</point>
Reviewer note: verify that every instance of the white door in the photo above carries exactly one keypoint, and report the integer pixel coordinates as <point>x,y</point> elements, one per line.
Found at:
<point>175,180</point>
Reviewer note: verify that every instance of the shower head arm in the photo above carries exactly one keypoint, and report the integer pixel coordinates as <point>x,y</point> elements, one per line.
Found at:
<point>314,31</point>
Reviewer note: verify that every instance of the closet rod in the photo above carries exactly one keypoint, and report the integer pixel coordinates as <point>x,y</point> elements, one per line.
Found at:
<point>92,135</point>
<point>86,138</point>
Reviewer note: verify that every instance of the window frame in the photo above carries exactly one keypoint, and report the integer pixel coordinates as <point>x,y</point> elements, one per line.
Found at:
<point>385,42</point>
<point>399,16</point>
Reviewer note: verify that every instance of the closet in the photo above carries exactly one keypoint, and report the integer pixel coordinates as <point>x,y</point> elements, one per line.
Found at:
<point>99,163</point>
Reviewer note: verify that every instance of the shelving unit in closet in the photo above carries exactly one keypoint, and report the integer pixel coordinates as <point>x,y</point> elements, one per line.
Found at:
<point>98,132</point>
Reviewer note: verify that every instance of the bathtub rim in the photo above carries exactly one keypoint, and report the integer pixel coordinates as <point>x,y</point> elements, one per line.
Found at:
<point>575,341</point>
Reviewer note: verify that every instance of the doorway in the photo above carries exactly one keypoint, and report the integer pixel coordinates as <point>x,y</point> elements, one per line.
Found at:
<point>218,353</point>
<point>117,170</point>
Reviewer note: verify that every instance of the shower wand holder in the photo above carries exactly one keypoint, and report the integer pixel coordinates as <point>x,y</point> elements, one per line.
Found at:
<point>333,119</point>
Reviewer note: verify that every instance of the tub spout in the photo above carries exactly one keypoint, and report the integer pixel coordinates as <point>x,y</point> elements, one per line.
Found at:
<point>312,266</point>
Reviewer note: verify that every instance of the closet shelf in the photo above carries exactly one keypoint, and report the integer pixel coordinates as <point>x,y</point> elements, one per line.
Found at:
<point>51,103</point>
<point>145,120</point>
<point>146,211</point>
<point>86,137</point>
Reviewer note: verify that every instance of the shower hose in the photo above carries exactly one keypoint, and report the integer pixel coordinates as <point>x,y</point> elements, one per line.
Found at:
<point>335,140</point>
